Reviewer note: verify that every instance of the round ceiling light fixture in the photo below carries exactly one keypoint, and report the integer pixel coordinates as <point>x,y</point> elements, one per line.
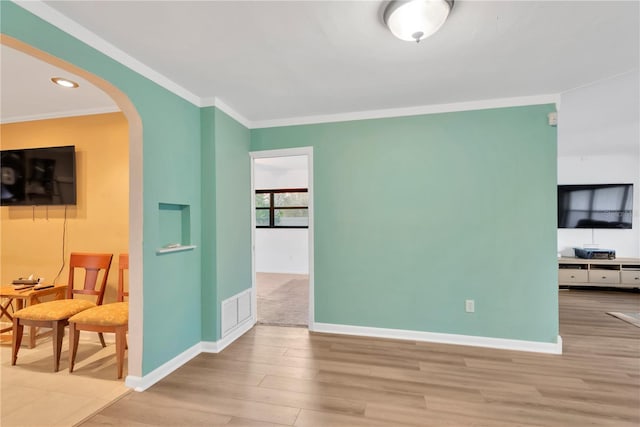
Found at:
<point>414,20</point>
<point>61,81</point>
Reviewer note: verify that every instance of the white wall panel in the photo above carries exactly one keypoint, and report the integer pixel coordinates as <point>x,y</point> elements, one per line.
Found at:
<point>282,250</point>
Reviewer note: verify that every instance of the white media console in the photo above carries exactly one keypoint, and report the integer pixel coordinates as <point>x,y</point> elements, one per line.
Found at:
<point>619,272</point>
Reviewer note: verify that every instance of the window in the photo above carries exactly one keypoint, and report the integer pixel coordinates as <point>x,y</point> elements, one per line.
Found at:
<point>282,208</point>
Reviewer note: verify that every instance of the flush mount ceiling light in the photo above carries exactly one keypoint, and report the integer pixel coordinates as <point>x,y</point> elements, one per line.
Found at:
<point>61,81</point>
<point>414,20</point>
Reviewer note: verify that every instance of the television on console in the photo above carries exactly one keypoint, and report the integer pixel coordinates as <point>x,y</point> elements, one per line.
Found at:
<point>595,206</point>
<point>38,176</point>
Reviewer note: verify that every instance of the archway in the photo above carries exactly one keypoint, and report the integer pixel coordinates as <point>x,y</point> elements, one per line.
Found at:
<point>135,193</point>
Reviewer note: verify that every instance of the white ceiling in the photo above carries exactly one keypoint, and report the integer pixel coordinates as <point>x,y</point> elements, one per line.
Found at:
<point>272,60</point>
<point>28,93</point>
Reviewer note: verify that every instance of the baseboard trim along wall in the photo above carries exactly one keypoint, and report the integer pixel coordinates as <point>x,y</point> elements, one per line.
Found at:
<point>143,383</point>
<point>235,332</point>
<point>146,381</point>
<point>238,317</point>
<point>434,337</point>
<point>221,344</point>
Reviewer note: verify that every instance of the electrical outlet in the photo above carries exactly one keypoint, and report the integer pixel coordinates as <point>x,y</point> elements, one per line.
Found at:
<point>469,306</point>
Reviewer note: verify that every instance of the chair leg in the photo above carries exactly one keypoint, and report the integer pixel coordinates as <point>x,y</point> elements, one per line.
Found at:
<point>74,337</point>
<point>101,336</point>
<point>18,330</point>
<point>33,331</point>
<point>121,343</point>
<point>58,335</point>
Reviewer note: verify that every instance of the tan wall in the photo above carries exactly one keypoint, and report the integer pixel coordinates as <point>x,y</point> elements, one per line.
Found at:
<point>32,238</point>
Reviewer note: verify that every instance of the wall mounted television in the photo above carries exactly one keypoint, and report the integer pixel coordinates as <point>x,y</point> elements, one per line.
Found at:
<point>38,176</point>
<point>595,206</point>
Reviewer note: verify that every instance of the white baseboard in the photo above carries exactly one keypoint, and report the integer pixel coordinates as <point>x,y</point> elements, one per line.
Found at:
<point>143,383</point>
<point>498,343</point>
<point>221,344</point>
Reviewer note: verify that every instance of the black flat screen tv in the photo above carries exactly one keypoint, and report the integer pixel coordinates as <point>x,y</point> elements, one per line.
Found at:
<point>38,176</point>
<point>595,206</point>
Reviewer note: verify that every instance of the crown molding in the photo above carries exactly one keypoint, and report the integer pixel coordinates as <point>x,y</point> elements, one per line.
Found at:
<point>603,80</point>
<point>59,115</point>
<point>224,107</point>
<point>57,19</point>
<point>411,111</point>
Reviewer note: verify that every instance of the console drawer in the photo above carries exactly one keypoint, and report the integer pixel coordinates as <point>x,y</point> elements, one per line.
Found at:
<point>604,276</point>
<point>631,277</point>
<point>572,276</point>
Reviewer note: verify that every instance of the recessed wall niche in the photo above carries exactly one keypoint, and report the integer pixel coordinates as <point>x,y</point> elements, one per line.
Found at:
<point>174,228</point>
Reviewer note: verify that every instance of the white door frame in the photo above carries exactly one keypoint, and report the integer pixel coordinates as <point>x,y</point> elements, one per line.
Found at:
<point>287,152</point>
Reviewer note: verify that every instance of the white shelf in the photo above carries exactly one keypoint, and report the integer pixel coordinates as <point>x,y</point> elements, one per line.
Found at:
<point>176,249</point>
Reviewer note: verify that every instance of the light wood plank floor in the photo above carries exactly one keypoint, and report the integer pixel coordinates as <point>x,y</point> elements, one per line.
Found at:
<point>288,376</point>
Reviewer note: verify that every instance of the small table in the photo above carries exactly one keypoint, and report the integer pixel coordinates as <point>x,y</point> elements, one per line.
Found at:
<point>23,298</point>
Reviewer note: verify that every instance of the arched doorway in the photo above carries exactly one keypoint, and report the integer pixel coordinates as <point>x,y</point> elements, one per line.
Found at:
<point>135,193</point>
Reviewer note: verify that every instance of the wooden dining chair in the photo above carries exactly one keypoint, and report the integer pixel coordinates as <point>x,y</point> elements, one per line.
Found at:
<point>112,318</point>
<point>56,314</point>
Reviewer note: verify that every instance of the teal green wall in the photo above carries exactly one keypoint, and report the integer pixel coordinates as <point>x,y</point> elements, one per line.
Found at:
<point>226,195</point>
<point>171,174</point>
<point>414,215</point>
<point>233,203</point>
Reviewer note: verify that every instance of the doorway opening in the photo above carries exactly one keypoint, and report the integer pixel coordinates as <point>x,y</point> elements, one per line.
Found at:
<point>282,236</point>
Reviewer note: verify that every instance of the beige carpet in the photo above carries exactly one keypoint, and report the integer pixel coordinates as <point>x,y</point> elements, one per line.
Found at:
<point>633,318</point>
<point>283,299</point>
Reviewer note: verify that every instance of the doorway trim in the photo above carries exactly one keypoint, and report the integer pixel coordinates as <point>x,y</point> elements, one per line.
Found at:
<point>287,152</point>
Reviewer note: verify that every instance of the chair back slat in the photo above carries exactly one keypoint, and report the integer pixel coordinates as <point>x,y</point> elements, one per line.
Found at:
<point>123,264</point>
<point>90,278</point>
<point>92,263</point>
